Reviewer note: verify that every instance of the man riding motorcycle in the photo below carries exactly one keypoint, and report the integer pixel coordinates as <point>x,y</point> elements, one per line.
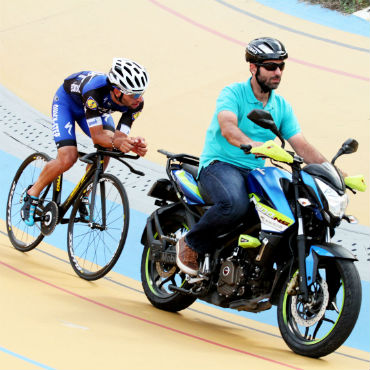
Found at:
<point>224,168</point>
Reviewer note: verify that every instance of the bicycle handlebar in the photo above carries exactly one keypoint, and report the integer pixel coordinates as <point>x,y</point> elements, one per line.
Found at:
<point>117,154</point>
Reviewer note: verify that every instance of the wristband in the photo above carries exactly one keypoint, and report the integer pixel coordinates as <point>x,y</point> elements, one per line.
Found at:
<point>113,147</point>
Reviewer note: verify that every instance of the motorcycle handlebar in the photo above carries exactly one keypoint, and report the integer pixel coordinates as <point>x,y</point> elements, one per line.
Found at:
<point>246,148</point>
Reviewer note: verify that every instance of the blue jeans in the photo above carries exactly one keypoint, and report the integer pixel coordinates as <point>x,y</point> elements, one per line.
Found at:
<point>226,185</point>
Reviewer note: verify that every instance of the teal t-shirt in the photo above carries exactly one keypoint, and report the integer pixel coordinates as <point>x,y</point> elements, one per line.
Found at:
<point>239,99</point>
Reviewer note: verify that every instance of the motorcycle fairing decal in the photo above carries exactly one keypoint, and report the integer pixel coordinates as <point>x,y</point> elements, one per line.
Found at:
<point>271,219</point>
<point>269,182</point>
<point>189,187</point>
<point>309,181</point>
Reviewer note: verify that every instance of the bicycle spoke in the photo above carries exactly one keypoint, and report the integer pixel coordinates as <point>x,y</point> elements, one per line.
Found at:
<point>96,247</point>
<point>23,237</point>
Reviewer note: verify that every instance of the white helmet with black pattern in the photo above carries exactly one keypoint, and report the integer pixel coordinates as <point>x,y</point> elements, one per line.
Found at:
<point>128,76</point>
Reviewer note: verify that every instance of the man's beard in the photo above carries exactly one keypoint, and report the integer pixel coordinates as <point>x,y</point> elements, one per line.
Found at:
<point>265,87</point>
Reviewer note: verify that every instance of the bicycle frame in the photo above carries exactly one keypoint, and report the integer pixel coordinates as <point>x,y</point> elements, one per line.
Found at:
<point>57,193</point>
<point>96,168</point>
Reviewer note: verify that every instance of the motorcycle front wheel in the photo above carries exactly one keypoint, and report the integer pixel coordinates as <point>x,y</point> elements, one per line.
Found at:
<point>318,327</point>
<point>157,276</point>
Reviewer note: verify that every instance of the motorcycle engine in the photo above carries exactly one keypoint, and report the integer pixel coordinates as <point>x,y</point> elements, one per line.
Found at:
<point>231,279</point>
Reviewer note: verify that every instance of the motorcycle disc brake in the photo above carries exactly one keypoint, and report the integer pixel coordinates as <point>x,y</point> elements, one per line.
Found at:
<point>163,271</point>
<point>308,314</point>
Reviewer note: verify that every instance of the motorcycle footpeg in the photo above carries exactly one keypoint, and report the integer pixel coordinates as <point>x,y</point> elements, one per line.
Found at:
<point>194,280</point>
<point>175,288</point>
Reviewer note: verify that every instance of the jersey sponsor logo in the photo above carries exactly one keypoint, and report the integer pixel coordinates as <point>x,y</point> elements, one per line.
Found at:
<point>96,121</point>
<point>68,126</point>
<point>55,127</point>
<point>135,115</point>
<point>75,88</point>
<point>91,103</point>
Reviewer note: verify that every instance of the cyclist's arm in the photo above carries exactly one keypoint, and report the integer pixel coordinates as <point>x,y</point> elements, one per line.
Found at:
<point>124,127</point>
<point>101,137</point>
<point>119,141</point>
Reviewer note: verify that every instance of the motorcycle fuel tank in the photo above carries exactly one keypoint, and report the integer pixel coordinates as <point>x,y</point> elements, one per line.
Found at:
<point>266,183</point>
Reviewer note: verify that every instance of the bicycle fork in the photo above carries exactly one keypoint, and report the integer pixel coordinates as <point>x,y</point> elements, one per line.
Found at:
<point>96,183</point>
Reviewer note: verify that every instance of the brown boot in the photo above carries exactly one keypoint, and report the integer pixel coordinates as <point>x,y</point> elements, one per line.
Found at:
<point>186,258</point>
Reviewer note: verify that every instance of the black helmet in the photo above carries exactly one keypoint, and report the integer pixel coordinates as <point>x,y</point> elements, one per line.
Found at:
<point>265,48</point>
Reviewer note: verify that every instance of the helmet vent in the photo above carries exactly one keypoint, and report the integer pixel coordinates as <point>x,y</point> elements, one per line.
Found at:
<point>128,70</point>
<point>130,82</point>
<point>117,70</point>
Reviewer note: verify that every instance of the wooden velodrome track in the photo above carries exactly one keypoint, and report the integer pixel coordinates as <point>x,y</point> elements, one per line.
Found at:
<point>50,318</point>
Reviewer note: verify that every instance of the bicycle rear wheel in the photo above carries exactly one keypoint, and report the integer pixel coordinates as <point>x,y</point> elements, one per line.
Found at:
<point>94,246</point>
<point>23,237</point>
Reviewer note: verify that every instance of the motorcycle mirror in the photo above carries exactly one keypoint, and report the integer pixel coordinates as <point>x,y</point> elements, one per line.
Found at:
<point>264,119</point>
<point>350,146</point>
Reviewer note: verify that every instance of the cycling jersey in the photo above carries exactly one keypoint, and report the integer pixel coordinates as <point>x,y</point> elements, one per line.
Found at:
<point>85,98</point>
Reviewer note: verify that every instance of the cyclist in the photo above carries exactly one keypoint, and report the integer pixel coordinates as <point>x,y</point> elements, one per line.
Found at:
<point>89,98</point>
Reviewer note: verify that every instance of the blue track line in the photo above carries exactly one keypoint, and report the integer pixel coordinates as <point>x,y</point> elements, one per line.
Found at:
<point>26,359</point>
<point>289,29</point>
<point>315,13</point>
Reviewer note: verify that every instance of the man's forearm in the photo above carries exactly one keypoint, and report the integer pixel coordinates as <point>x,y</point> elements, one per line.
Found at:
<point>310,154</point>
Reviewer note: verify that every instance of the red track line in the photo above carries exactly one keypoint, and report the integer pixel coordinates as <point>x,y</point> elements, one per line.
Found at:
<point>145,320</point>
<point>242,43</point>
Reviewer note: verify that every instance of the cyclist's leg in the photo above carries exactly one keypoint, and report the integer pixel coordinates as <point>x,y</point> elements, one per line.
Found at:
<point>65,139</point>
<point>63,113</point>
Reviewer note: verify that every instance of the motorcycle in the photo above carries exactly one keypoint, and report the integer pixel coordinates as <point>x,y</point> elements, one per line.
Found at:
<point>280,254</point>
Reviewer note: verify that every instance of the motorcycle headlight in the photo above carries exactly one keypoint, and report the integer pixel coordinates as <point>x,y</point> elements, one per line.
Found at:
<point>337,203</point>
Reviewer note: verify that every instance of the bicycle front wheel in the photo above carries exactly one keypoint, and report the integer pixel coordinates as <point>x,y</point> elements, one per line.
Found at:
<point>23,237</point>
<point>94,246</point>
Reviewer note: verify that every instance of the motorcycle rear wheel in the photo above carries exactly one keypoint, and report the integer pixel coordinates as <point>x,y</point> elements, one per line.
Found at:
<point>157,276</point>
<point>319,327</point>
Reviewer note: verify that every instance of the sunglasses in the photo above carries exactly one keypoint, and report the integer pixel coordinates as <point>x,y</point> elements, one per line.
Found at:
<point>271,66</point>
<point>136,96</point>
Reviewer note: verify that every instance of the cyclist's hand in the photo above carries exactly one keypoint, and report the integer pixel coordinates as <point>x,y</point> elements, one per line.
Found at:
<point>126,144</point>
<point>140,146</point>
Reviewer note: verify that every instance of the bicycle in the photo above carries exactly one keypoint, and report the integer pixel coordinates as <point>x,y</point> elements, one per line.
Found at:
<point>95,242</point>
